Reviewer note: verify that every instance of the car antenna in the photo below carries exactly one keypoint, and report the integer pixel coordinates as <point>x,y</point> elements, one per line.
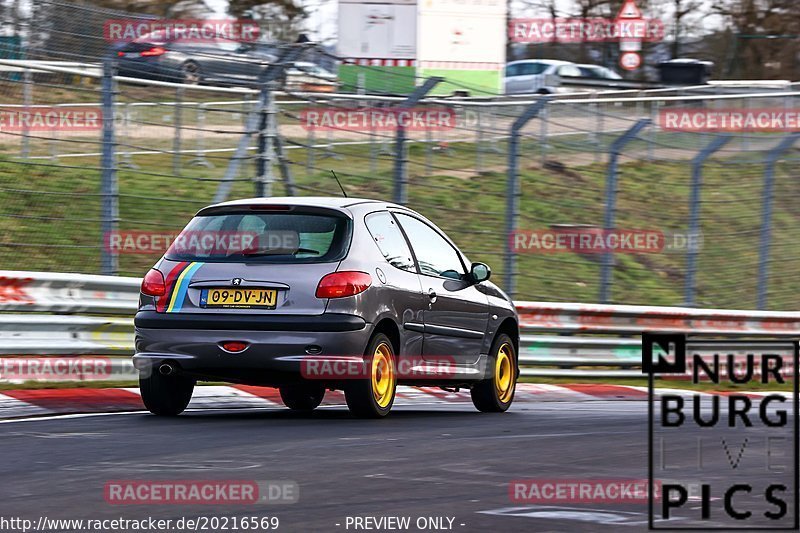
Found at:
<point>339,182</point>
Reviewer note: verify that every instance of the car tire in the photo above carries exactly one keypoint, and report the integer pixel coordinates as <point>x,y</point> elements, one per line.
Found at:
<point>303,396</point>
<point>495,394</point>
<point>191,73</point>
<point>373,397</point>
<point>165,395</point>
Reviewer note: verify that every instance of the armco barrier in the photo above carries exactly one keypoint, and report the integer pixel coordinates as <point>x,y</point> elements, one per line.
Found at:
<point>68,293</point>
<point>558,339</point>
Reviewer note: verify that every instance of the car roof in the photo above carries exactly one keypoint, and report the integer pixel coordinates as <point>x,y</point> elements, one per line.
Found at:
<point>335,202</point>
<point>545,61</point>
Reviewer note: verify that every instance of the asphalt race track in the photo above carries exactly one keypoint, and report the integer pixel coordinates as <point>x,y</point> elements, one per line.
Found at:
<point>441,460</point>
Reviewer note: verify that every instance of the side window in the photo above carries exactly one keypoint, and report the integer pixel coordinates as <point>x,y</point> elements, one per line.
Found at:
<point>436,257</point>
<point>390,240</point>
<point>226,45</point>
<point>570,71</point>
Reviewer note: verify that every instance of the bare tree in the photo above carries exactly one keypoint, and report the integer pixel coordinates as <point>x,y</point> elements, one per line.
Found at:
<point>764,35</point>
<point>282,19</point>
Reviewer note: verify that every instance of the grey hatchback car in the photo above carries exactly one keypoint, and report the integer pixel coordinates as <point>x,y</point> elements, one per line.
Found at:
<point>315,294</point>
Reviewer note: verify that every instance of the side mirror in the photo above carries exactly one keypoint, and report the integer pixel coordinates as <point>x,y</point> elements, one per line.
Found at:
<point>480,272</point>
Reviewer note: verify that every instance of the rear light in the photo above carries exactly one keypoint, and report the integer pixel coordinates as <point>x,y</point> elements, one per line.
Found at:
<point>153,283</point>
<point>155,51</point>
<point>234,346</point>
<point>341,284</point>
<point>121,54</point>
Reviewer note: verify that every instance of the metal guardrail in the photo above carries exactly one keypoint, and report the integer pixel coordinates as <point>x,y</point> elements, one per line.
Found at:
<point>558,339</point>
<point>68,293</point>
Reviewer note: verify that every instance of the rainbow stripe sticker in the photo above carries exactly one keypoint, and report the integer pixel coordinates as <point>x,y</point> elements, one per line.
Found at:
<point>181,288</point>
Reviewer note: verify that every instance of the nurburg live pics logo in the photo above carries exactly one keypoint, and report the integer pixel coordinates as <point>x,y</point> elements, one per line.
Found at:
<point>724,461</point>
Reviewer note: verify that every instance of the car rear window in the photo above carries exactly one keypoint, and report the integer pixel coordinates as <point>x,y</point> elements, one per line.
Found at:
<point>263,237</point>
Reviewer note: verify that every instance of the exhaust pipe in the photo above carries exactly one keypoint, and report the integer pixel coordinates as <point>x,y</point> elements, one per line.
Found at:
<point>166,369</point>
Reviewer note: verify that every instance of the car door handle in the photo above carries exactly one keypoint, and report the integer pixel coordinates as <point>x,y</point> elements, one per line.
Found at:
<point>432,295</point>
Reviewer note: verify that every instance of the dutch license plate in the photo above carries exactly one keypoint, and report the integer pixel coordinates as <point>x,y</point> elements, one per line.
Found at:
<point>240,298</point>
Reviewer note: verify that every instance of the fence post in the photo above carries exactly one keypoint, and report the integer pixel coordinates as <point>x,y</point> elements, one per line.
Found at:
<point>599,127</point>
<point>694,215</point>
<point>177,122</point>
<point>266,142</point>
<point>513,191</point>
<point>543,133</point>
<point>27,89</point>
<point>401,154</point>
<point>124,131</point>
<point>200,157</point>
<point>270,74</point>
<point>651,139</point>
<point>283,163</point>
<point>478,139</point>
<point>109,189</point>
<point>311,140</point>
<point>611,201</point>
<point>766,216</point>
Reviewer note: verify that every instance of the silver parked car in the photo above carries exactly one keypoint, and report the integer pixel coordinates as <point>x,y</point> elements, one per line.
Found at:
<point>541,76</point>
<point>316,294</point>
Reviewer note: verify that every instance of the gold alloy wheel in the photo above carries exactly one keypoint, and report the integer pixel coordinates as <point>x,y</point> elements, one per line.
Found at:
<point>504,373</point>
<point>383,376</point>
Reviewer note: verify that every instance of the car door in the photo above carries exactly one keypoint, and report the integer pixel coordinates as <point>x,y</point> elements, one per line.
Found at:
<point>457,314</point>
<point>399,280</point>
<point>511,78</point>
<point>228,60</point>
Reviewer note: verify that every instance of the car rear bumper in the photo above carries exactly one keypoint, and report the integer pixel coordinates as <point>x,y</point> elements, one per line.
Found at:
<point>277,346</point>
<point>327,322</point>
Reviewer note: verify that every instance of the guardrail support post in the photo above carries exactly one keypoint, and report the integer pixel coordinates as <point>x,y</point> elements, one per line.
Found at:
<point>401,153</point>
<point>694,215</point>
<point>109,187</point>
<point>766,216</point>
<point>513,192</point>
<point>611,201</point>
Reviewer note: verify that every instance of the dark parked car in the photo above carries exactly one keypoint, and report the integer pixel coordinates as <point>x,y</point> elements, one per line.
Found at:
<point>219,61</point>
<point>287,289</point>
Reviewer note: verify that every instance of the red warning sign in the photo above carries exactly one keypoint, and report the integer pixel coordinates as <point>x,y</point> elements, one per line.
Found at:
<point>629,11</point>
